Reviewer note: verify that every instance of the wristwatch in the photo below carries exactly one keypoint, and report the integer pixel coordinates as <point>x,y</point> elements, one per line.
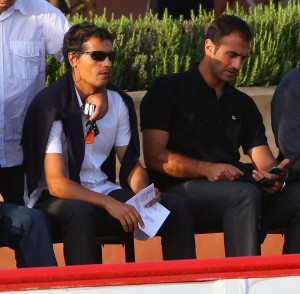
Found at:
<point>283,185</point>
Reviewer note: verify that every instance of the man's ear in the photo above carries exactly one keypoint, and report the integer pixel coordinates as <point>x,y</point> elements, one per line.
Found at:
<point>209,47</point>
<point>72,59</point>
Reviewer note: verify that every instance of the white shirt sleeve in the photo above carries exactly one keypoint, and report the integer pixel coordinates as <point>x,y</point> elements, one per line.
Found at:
<point>56,25</point>
<point>123,134</point>
<point>54,144</point>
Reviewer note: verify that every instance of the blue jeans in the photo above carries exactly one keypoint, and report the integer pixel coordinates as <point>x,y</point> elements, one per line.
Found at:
<point>27,232</point>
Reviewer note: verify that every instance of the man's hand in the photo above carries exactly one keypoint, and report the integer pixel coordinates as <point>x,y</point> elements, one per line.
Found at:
<point>126,214</point>
<point>100,101</point>
<point>155,199</point>
<point>276,180</point>
<point>222,172</point>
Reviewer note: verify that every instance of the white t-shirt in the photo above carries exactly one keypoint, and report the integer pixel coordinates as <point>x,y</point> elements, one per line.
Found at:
<point>114,130</point>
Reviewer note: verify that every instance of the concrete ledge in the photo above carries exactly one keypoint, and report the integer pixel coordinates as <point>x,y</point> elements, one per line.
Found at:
<point>258,91</point>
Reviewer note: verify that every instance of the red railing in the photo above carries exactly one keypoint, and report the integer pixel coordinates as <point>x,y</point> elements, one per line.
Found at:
<point>150,273</point>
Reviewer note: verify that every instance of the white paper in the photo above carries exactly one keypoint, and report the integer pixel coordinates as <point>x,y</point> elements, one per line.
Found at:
<point>153,216</point>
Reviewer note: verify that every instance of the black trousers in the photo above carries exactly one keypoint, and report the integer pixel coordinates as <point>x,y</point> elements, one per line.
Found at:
<point>78,222</point>
<point>230,207</point>
<point>244,212</point>
<point>12,184</point>
<point>282,211</point>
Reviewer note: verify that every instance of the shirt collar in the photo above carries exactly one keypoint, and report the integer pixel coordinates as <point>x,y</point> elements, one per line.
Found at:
<point>19,6</point>
<point>78,97</point>
<point>198,79</point>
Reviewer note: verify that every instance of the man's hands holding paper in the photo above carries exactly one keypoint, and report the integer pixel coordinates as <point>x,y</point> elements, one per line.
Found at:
<point>156,199</point>
<point>127,214</point>
<point>152,212</point>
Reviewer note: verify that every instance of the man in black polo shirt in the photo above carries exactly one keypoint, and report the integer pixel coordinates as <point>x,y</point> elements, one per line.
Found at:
<point>193,125</point>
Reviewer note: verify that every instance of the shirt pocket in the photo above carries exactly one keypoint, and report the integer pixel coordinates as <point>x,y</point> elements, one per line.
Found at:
<point>26,58</point>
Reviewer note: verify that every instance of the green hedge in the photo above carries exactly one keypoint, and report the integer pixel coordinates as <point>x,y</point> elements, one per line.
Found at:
<point>148,47</point>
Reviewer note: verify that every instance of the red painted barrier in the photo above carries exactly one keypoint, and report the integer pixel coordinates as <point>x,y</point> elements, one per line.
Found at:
<point>150,272</point>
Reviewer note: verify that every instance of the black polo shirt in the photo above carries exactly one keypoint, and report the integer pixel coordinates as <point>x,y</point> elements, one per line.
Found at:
<point>200,126</point>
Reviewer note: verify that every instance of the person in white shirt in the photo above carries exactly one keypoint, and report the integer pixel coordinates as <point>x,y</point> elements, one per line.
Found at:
<point>72,180</point>
<point>29,31</point>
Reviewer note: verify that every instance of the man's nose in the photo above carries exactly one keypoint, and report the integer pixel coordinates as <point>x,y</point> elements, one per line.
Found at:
<point>237,62</point>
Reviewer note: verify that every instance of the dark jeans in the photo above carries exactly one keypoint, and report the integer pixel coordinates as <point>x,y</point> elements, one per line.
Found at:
<point>230,207</point>
<point>282,211</point>
<point>78,223</point>
<point>27,232</point>
<point>12,184</point>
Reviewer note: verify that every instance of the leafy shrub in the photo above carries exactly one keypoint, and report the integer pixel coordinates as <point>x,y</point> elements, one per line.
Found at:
<point>148,47</point>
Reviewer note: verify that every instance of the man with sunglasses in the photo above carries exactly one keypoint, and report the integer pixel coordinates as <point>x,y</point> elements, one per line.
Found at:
<point>70,160</point>
<point>191,141</point>
<point>30,30</point>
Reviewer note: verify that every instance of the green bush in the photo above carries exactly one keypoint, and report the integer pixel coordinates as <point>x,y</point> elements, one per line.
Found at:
<point>148,47</point>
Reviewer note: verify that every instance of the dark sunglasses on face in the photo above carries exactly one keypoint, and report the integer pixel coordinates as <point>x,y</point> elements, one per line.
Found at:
<point>100,55</point>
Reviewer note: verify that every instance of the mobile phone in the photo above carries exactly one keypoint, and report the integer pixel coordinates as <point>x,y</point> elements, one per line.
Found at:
<point>266,183</point>
<point>276,171</point>
<point>282,173</point>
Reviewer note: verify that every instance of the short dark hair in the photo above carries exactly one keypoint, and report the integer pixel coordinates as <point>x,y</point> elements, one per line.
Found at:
<point>224,25</point>
<point>80,33</point>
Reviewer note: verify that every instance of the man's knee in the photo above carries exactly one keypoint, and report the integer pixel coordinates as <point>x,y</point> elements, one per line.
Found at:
<point>247,195</point>
<point>79,211</point>
<point>174,201</point>
<point>253,195</point>
<point>32,218</point>
<point>180,208</point>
